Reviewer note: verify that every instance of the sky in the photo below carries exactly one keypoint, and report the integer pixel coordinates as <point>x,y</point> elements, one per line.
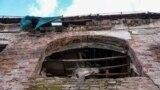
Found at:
<point>46,8</point>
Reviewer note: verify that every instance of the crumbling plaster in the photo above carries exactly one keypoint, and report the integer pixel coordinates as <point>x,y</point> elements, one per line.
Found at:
<point>20,60</point>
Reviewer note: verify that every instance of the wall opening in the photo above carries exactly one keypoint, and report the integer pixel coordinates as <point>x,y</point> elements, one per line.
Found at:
<point>88,63</point>
<point>2,47</point>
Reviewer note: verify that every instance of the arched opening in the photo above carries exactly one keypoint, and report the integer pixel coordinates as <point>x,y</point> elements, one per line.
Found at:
<point>88,57</point>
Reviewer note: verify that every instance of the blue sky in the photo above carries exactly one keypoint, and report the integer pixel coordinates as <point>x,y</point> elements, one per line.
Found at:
<point>22,7</point>
<point>74,7</point>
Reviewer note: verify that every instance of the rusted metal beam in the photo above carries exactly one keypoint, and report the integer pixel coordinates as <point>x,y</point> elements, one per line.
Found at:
<point>116,66</point>
<point>109,74</point>
<point>112,74</point>
<point>90,60</point>
<point>104,68</point>
<point>79,20</point>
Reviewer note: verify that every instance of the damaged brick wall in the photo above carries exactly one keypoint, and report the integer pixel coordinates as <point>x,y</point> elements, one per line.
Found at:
<point>21,60</point>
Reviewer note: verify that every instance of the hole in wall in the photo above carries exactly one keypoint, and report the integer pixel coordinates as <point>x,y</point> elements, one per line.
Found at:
<point>2,47</point>
<point>88,63</point>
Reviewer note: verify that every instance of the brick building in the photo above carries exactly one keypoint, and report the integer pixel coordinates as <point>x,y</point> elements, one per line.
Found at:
<point>118,52</point>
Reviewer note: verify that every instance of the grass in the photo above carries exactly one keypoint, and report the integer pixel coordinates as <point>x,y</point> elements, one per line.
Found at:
<point>43,85</point>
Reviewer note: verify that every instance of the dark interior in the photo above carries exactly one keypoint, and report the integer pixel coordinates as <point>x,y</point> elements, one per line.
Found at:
<point>111,64</point>
<point>2,47</point>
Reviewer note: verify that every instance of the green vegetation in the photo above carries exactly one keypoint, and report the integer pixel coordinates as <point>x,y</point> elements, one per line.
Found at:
<point>43,85</point>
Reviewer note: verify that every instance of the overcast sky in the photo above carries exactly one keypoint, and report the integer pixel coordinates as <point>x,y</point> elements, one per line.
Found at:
<point>74,7</point>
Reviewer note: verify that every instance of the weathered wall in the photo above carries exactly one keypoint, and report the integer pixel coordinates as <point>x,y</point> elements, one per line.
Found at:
<point>22,58</point>
<point>118,24</point>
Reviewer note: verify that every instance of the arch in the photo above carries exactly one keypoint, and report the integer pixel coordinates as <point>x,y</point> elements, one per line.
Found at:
<point>69,42</point>
<point>91,41</point>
